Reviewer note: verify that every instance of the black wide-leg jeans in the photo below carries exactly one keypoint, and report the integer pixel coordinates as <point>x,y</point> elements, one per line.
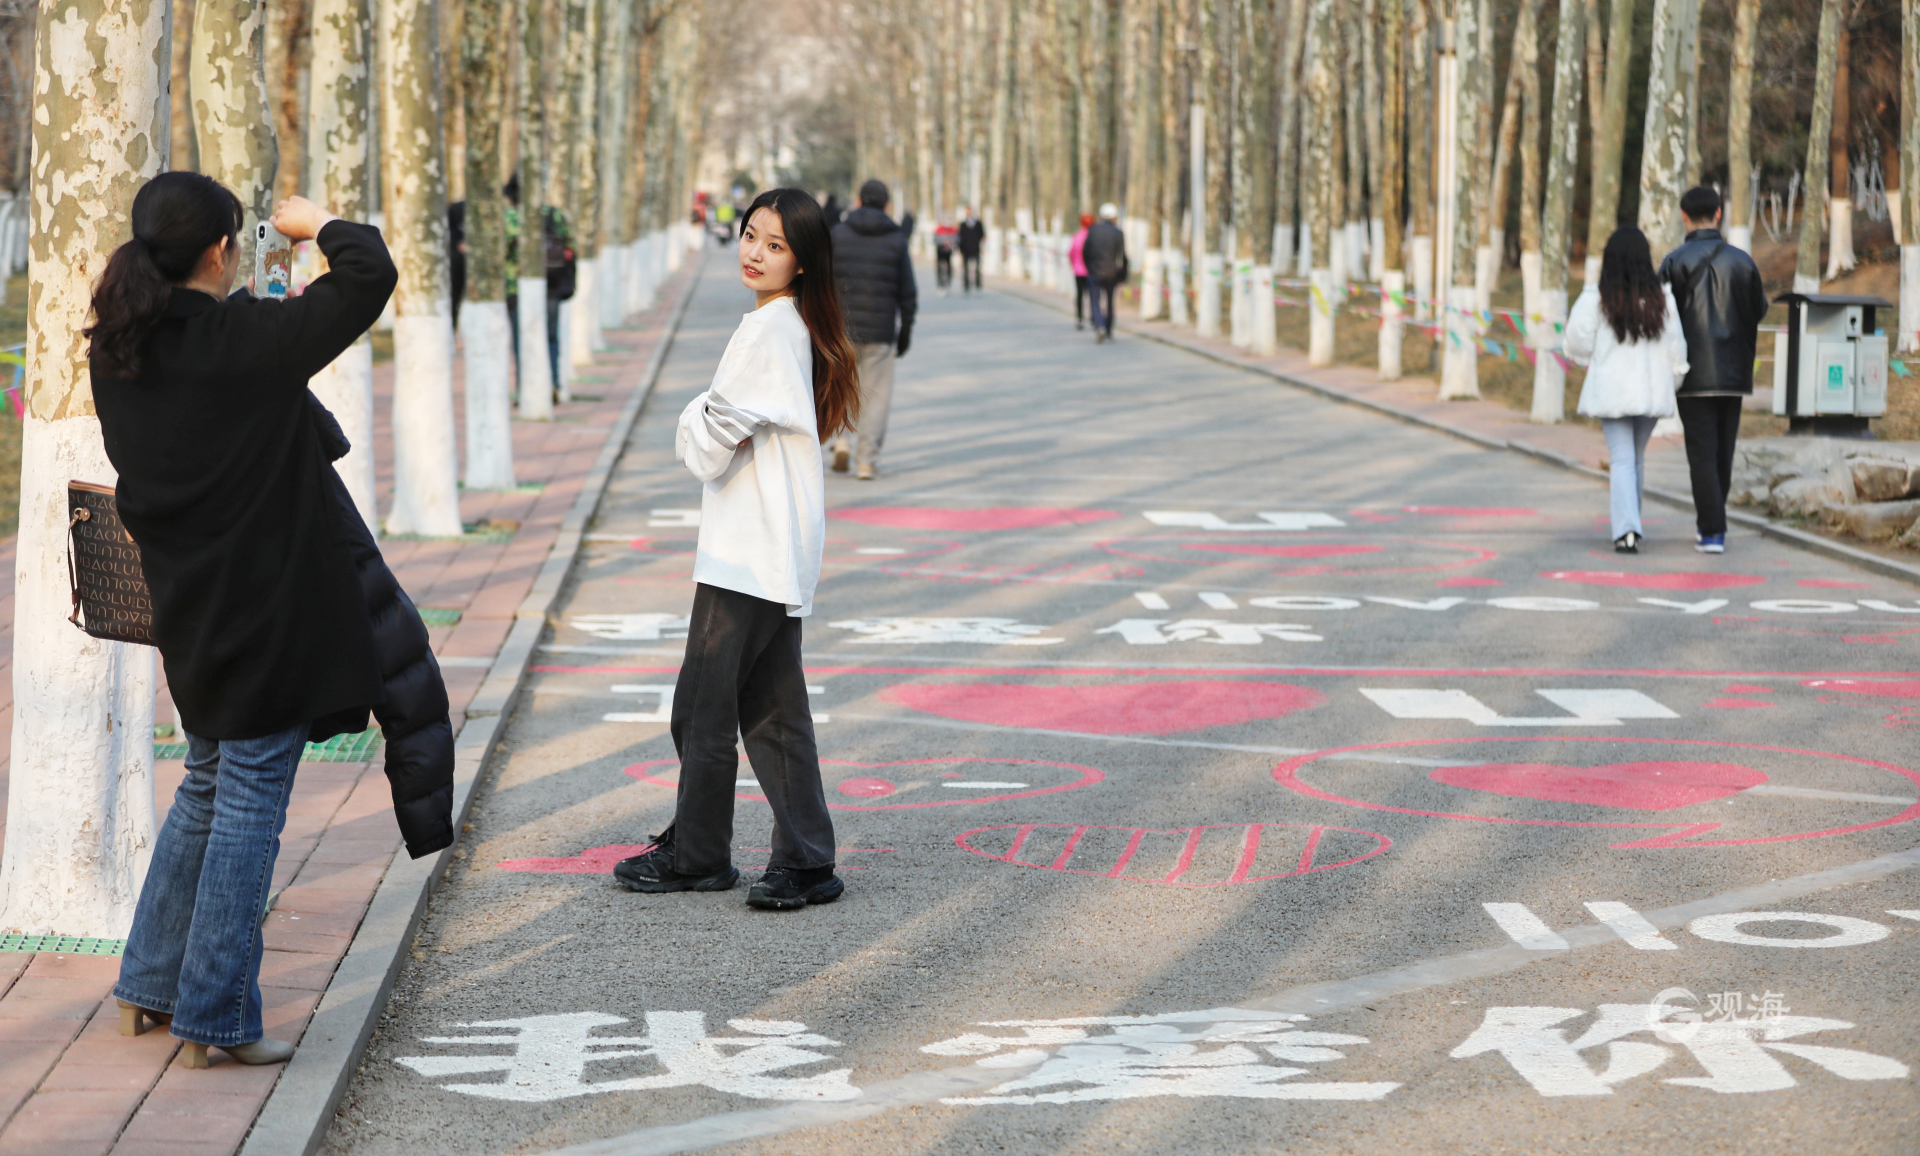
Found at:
<point>742,677</point>
<point>1712,425</point>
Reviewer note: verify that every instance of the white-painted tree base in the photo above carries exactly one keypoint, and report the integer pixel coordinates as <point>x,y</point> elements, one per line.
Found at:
<point>1423,278</point>
<point>486,337</point>
<point>345,386</point>
<point>1908,339</point>
<point>1282,259</point>
<point>1590,273</point>
<point>1320,316</point>
<point>1805,284</point>
<point>1240,310</point>
<point>80,814</point>
<point>536,373</point>
<point>1356,250</point>
<point>1486,271</point>
<point>426,468</point>
<point>563,388</point>
<point>1741,237</point>
<point>585,313</point>
<point>1549,376</point>
<point>1152,284</point>
<point>1175,264</point>
<point>1377,250</point>
<point>1530,283</point>
<point>1392,331</point>
<point>1840,256</point>
<point>1213,269</point>
<point>610,295</point>
<point>1336,258</point>
<point>1266,338</point>
<point>1460,359</point>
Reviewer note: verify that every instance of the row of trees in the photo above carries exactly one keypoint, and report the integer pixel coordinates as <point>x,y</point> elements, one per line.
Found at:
<point>594,104</point>
<point>1383,140</point>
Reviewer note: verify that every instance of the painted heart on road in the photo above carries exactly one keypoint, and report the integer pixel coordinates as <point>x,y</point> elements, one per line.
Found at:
<point>1130,708</point>
<point>1653,786</point>
<point>988,518</point>
<point>1329,550</point>
<point>1682,581</point>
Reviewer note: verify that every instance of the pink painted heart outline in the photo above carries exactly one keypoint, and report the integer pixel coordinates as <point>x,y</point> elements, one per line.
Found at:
<point>1088,777</point>
<point>1108,708</point>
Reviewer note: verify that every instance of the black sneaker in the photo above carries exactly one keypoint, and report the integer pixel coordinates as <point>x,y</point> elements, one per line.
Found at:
<point>786,888</point>
<point>652,871</point>
<point>1627,543</point>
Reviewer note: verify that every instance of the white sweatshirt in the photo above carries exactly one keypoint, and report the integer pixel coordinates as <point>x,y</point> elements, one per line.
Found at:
<point>1636,379</point>
<point>753,439</point>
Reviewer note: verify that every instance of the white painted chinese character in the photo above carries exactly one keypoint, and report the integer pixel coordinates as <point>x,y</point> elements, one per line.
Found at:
<point>548,1056</point>
<point>979,631</point>
<point>1158,631</point>
<point>632,627</point>
<point>1222,1052</point>
<point>1736,1054</point>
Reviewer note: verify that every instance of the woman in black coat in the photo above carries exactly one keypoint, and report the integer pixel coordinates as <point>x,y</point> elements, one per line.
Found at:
<point>258,606</point>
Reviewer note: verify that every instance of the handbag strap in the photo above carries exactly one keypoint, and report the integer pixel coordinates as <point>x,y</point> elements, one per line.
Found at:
<point>80,514</point>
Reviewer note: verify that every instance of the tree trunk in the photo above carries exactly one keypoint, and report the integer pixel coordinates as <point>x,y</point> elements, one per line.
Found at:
<point>426,497</point>
<point>1354,138</point>
<point>999,179</point>
<point>340,164</point>
<point>1460,366</point>
<point>233,123</point>
<point>1319,204</point>
<point>1603,212</point>
<point>1485,268</point>
<point>1173,254</point>
<point>1556,220</point>
<point>287,61</point>
<point>80,816</point>
<point>1746,14</point>
<point>1144,151</point>
<point>1909,238</point>
<point>1501,189</point>
<point>583,189</point>
<point>1215,27</point>
<point>1253,157</point>
<point>1526,46</point>
<point>185,156</point>
<point>1806,271</point>
<point>1690,75</point>
<point>1420,129</point>
<point>1393,105</point>
<point>1840,258</point>
<point>1287,143</point>
<point>1663,148</point>
<point>1370,114</point>
<point>487,343</point>
<point>536,130</point>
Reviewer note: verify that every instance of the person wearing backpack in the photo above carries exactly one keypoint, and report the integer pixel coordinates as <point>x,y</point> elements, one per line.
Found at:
<point>1721,300</point>
<point>1625,330</point>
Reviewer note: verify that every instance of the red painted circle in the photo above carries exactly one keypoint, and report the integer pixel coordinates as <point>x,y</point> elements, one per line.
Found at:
<point>1287,775</point>
<point>1679,581</point>
<point>1108,708</point>
<point>866,788</point>
<point>1268,548</point>
<point>656,771</point>
<point>987,518</point>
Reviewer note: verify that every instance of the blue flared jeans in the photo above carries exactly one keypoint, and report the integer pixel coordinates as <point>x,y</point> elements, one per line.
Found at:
<point>195,947</point>
<point>1626,469</point>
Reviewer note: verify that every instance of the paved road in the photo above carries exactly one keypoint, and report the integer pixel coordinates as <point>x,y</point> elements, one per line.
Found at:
<point>1217,769</point>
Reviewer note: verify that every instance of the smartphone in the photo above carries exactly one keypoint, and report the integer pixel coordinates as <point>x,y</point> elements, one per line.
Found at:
<point>272,262</point>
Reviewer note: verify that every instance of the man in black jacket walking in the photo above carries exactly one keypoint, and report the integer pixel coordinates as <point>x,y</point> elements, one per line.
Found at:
<point>879,297</point>
<point>1721,300</point>
<point>1106,256</point>
<point>972,233</point>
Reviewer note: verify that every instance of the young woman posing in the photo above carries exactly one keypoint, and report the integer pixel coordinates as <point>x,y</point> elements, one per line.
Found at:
<point>1626,331</point>
<point>787,383</point>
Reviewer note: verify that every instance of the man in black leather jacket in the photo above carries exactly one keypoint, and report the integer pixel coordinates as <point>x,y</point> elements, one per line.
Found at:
<point>1721,300</point>
<point>875,276</point>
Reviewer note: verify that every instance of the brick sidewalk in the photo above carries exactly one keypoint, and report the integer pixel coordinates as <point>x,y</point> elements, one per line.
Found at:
<point>69,1082</point>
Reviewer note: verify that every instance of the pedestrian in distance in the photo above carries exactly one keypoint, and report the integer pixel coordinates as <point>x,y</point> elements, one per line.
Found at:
<point>261,610</point>
<point>875,275</point>
<point>1720,298</point>
<point>1626,331</point>
<point>787,382</point>
<point>1076,259</point>
<point>944,238</point>
<point>972,234</point>
<point>1104,253</point>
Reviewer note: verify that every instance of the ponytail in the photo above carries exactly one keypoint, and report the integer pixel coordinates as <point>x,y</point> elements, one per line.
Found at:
<point>176,217</point>
<point>836,369</point>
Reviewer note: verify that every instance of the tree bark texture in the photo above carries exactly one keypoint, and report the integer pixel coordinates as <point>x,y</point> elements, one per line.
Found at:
<point>287,61</point>
<point>1556,219</point>
<point>1460,369</point>
<point>1319,205</point>
<point>1287,190</point>
<point>1603,212</point>
<point>1840,256</point>
<point>1909,238</point>
<point>1806,271</point>
<point>80,784</point>
<point>233,121</point>
<point>536,374</point>
<point>488,349</point>
<point>1740,192</point>
<point>185,157</point>
<point>1393,99</point>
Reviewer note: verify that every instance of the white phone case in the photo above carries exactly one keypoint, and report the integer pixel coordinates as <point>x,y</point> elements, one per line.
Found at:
<point>272,262</point>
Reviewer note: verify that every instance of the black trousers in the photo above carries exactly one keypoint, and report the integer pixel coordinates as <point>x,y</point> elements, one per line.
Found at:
<point>1712,425</point>
<point>1080,285</point>
<point>742,677</point>
<point>943,267</point>
<point>969,272</point>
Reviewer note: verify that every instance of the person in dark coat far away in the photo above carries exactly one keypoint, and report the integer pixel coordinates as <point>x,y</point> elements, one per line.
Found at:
<point>1105,255</point>
<point>1720,299</point>
<point>258,606</point>
<point>877,291</point>
<point>972,233</point>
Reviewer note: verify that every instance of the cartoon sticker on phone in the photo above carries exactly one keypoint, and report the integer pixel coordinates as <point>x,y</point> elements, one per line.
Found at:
<point>273,262</point>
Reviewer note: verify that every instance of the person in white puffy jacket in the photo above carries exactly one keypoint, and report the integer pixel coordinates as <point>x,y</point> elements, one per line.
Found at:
<point>788,381</point>
<point>1626,331</point>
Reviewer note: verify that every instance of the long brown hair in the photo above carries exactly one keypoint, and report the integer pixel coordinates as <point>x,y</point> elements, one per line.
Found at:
<point>836,371</point>
<point>175,217</point>
<point>1630,295</point>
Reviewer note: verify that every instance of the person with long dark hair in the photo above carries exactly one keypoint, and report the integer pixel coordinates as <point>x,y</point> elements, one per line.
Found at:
<point>1625,330</point>
<point>788,381</point>
<point>258,607</point>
